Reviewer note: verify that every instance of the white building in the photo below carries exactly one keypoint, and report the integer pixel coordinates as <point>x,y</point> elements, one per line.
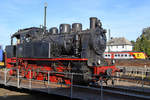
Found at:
<point>118,45</point>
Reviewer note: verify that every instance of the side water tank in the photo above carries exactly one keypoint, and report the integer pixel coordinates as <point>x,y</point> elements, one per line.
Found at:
<point>64,28</point>
<point>76,27</point>
<point>53,30</point>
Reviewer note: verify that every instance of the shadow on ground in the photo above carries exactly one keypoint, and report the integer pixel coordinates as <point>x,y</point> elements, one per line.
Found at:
<point>12,93</point>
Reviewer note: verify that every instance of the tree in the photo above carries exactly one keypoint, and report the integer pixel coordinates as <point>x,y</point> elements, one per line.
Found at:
<point>137,45</point>
<point>133,42</point>
<point>147,48</point>
<point>143,45</point>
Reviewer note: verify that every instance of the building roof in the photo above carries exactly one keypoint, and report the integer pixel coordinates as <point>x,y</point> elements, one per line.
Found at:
<point>119,41</point>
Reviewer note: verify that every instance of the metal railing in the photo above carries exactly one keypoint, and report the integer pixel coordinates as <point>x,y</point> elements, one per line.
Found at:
<point>118,77</point>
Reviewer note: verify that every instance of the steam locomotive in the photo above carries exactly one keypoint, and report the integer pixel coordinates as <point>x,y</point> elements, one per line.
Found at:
<point>67,50</point>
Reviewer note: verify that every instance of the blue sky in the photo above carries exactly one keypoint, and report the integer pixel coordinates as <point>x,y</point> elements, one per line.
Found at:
<point>124,17</point>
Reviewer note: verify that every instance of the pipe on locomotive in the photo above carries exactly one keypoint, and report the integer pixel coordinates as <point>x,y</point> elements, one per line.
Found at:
<point>76,27</point>
<point>93,21</point>
<point>45,7</point>
<point>65,28</point>
<point>53,30</point>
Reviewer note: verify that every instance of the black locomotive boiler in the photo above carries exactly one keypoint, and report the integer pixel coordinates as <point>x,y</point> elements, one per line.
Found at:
<point>67,49</point>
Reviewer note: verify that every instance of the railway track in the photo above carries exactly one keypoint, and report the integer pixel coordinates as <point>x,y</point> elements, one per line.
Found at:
<point>127,92</point>
<point>133,62</point>
<point>116,91</point>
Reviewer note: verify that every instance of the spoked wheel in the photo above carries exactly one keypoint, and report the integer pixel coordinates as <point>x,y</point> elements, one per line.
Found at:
<point>106,77</point>
<point>109,74</point>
